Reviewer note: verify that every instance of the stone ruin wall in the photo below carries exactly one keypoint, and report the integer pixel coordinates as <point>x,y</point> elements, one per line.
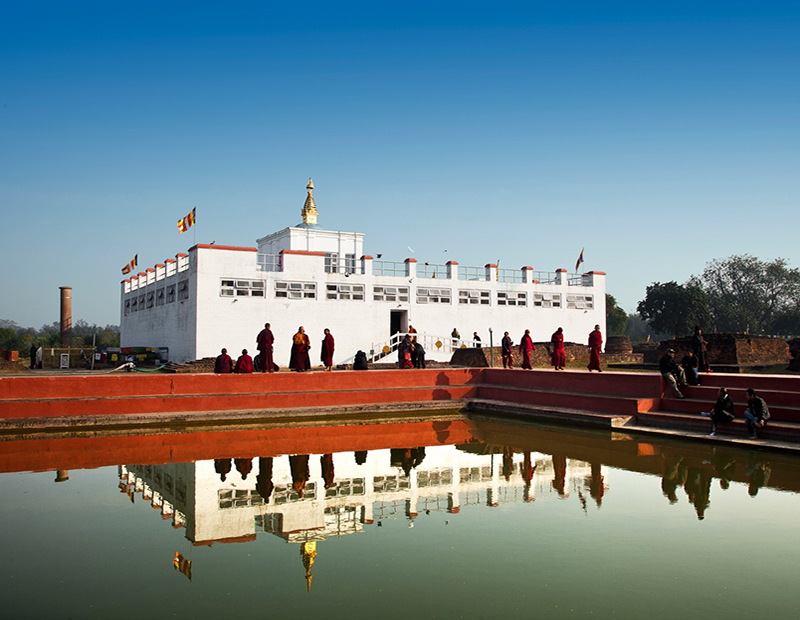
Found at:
<point>727,350</point>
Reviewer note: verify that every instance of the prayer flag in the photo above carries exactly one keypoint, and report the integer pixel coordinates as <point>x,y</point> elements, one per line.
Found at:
<point>187,222</point>
<point>580,260</point>
<point>131,265</point>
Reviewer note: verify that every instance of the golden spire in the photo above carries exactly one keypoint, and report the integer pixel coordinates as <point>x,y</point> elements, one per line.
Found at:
<point>309,211</point>
<point>308,551</point>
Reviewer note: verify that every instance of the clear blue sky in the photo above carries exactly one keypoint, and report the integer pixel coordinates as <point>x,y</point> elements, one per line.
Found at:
<point>659,135</point>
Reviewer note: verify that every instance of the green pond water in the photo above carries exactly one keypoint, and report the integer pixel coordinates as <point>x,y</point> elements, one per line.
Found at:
<point>488,519</point>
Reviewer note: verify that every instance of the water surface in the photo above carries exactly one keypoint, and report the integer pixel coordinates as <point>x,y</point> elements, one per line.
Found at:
<point>452,517</point>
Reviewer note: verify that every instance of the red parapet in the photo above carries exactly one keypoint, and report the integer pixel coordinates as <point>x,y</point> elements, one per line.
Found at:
<point>231,248</point>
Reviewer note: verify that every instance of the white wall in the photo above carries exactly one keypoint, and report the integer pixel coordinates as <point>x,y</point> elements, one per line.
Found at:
<point>207,321</point>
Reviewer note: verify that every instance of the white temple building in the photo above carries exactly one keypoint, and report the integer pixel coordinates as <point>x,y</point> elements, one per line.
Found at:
<point>221,296</point>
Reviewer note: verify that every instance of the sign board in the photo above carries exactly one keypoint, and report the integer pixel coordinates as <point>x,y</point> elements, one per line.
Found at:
<point>64,360</point>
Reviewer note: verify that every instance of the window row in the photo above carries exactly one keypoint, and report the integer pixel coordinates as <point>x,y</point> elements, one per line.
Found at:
<point>158,297</point>
<point>357,292</point>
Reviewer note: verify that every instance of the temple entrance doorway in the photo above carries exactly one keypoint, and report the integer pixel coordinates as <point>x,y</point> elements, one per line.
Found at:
<point>398,322</point>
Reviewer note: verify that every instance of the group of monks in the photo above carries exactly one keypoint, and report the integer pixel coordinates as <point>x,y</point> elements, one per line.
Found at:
<point>299,360</point>
<point>558,356</point>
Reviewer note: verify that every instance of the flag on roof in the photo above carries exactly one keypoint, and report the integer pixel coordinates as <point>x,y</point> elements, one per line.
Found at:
<point>580,260</point>
<point>187,222</point>
<point>131,265</point>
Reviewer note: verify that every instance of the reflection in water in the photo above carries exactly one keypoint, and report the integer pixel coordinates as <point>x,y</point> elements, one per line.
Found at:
<point>264,484</point>
<point>287,484</point>
<point>300,472</point>
<point>182,565</point>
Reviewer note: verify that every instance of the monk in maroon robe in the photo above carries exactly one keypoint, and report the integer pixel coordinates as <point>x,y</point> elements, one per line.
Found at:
<point>526,347</point>
<point>595,346</point>
<point>265,339</point>
<point>326,463</point>
<point>508,355</point>
<point>223,363</point>
<point>298,465</point>
<point>326,354</point>
<point>301,345</point>
<point>244,364</point>
<point>559,355</point>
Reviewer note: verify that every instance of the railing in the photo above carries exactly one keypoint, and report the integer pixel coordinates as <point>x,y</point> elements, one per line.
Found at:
<point>544,277</point>
<point>471,273</point>
<point>510,275</point>
<point>388,268</point>
<point>429,270</point>
<point>576,280</point>
<point>269,262</point>
<point>381,350</point>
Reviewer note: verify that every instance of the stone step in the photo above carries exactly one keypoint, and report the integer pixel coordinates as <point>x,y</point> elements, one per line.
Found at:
<point>778,431</point>
<point>695,406</point>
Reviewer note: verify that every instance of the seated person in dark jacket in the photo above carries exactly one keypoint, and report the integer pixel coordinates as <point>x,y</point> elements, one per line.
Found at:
<point>756,414</point>
<point>689,363</point>
<point>723,411</point>
<point>672,372</point>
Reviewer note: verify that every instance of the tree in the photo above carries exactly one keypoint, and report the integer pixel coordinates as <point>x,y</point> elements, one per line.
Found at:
<point>674,308</point>
<point>616,317</point>
<point>747,294</point>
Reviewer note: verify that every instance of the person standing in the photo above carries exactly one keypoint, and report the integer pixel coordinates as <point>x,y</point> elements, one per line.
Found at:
<point>559,355</point>
<point>404,353</point>
<point>301,345</point>
<point>700,349</point>
<point>223,364</point>
<point>526,347</point>
<point>476,340</point>
<point>326,351</point>
<point>508,357</point>
<point>33,355</point>
<point>455,336</point>
<point>417,355</point>
<point>265,340</point>
<point>723,411</point>
<point>411,330</point>
<point>39,357</point>
<point>244,364</point>
<point>595,346</point>
<point>756,414</point>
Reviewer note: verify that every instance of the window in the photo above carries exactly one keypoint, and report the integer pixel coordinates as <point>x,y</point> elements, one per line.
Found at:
<point>241,288</point>
<point>160,296</point>
<point>141,302</point>
<point>183,289</point>
<point>345,291</point>
<point>127,306</point>
<point>474,297</point>
<point>151,299</point>
<point>580,302</point>
<point>547,300</point>
<point>433,295</point>
<point>296,290</point>
<point>170,293</point>
<point>390,293</point>
<point>331,262</point>
<point>134,303</point>
<point>512,298</point>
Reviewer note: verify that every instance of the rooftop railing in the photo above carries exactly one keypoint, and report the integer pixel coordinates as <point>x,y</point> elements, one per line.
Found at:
<point>388,268</point>
<point>430,270</point>
<point>471,273</point>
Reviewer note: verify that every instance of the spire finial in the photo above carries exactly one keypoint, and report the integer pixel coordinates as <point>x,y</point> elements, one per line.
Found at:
<point>309,211</point>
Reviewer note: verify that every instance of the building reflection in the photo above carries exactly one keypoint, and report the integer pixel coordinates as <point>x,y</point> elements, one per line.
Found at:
<point>305,499</point>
